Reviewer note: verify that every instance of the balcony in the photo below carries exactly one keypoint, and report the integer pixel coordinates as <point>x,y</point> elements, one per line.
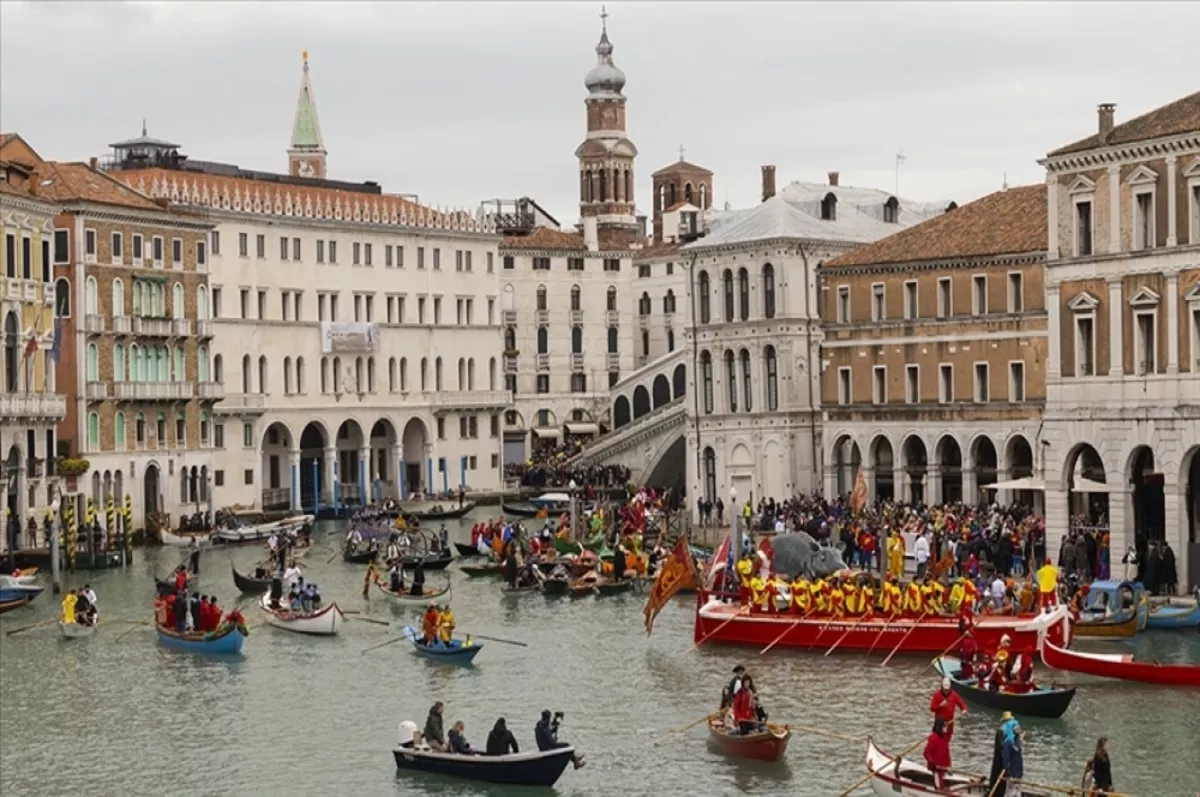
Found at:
<point>154,391</point>
<point>97,391</point>
<point>542,363</point>
<point>509,317</point>
<point>93,324</point>
<point>181,327</point>
<point>541,318</point>
<point>12,288</point>
<point>241,403</point>
<point>48,293</point>
<point>612,318</point>
<point>576,362</point>
<point>152,327</point>
<point>576,318</point>
<point>122,324</point>
<point>30,291</point>
<point>614,361</point>
<point>210,391</point>
<point>668,320</point>
<point>33,406</point>
<point>204,329</point>
<point>510,365</point>
<point>447,400</point>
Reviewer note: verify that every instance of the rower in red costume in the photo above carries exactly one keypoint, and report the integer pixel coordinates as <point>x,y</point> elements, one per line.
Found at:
<point>969,649</point>
<point>944,703</point>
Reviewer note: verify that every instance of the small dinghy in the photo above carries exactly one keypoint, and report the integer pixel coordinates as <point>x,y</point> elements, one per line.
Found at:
<point>605,587</point>
<point>768,744</point>
<point>899,777</point>
<point>323,622</point>
<point>425,596</point>
<point>1050,702</point>
<point>457,652</point>
<point>76,630</point>
<point>228,639</point>
<point>539,768</point>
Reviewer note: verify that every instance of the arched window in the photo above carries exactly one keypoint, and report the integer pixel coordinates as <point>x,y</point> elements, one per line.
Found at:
<point>370,374</point>
<point>163,358</point>
<point>118,298</point>
<point>89,297</point>
<point>392,374</point>
<point>541,297</point>
<point>118,363</point>
<point>177,301</point>
<point>587,185</point>
<point>287,375</point>
<point>246,381</point>
<point>139,429</point>
<point>744,294</point>
<point>262,375</point>
<point>202,363</point>
<point>611,303</point>
<point>604,185</point>
<point>470,373</point>
<point>577,340</point>
<point>510,339</point>
<point>829,207</point>
<point>772,379</point>
<point>202,303</point>
<point>891,211</point>
<point>731,379</point>
<point>204,441</point>
<point>437,374</point>
<point>703,196</point>
<point>300,375</point>
<point>119,431</point>
<point>139,298</point>
<point>727,290</point>
<point>768,279</point>
<point>705,291</point>
<point>180,373</point>
<point>358,374</point>
<point>576,298</point>
<point>671,195</point>
<point>93,363</point>
<point>629,186</point>
<point>424,373</point>
<point>404,374</point>
<point>687,193</point>
<point>644,304</point>
<point>746,392</point>
<point>62,298</point>
<point>710,475</point>
<point>462,374</point>
<point>491,373</point>
<point>135,363</point>
<point>338,382</point>
<point>706,378</point>
<point>543,340</point>
<point>612,340</point>
<point>218,370</point>
<point>93,432</point>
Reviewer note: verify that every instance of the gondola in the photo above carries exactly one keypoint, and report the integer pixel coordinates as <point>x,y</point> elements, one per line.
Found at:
<point>76,630</point>
<point>581,589</point>
<point>1119,665</point>
<point>477,571</point>
<point>519,509</point>
<point>1121,626</point>
<point>1174,616</point>
<point>322,622</point>
<point>614,587</point>
<point>437,561</point>
<point>228,639</point>
<point>1050,702</point>
<point>438,511</point>
<point>766,745</point>
<point>424,597</point>
<point>466,550</point>
<point>457,652</point>
<point>539,768</point>
<point>8,606</point>
<point>247,584</point>
<point>898,777</point>
<point>359,557</point>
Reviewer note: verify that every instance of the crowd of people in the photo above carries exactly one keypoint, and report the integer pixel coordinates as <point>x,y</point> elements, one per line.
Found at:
<point>500,741</point>
<point>184,610</point>
<point>550,467</point>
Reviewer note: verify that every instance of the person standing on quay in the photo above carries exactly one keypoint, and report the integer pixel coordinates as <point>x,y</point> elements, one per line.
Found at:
<point>1047,578</point>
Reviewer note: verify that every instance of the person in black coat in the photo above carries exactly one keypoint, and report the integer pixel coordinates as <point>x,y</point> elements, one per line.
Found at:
<point>501,741</point>
<point>995,786</point>
<point>194,608</point>
<point>181,611</point>
<point>1153,569</point>
<point>1168,576</point>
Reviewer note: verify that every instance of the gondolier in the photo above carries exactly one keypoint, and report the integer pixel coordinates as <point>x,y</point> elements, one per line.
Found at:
<point>944,703</point>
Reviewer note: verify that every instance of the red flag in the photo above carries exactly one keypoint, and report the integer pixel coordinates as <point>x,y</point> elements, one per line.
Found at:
<point>858,498</point>
<point>678,571</point>
<point>31,346</point>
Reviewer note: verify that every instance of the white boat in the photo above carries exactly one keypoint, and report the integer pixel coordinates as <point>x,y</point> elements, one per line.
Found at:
<point>76,630</point>
<point>901,777</point>
<point>324,622</point>
<point>260,531</point>
<point>184,539</point>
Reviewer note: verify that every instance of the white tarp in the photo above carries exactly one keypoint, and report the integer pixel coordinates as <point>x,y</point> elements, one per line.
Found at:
<point>1083,485</point>
<point>1028,483</point>
<point>349,337</point>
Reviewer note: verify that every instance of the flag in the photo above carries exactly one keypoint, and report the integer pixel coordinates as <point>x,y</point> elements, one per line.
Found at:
<point>678,571</point>
<point>31,346</point>
<point>858,498</point>
<point>721,561</point>
<point>56,349</point>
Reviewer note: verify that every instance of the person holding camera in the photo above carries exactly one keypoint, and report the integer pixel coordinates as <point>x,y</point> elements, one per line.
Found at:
<point>546,734</point>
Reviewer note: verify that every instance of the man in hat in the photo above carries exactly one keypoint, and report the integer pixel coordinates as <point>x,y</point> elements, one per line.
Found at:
<point>733,687</point>
<point>1011,755</point>
<point>943,704</point>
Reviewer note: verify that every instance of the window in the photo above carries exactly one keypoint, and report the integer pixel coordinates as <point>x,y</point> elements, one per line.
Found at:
<point>262,304</point>
<point>491,263</point>
<point>743,294</point>
<point>355,253</point>
<point>180,429</point>
<point>296,249</point>
<point>47,265</point>
<point>731,380</point>
<point>1143,220</point>
<point>1016,381</point>
<point>119,438</point>
<point>702,288</point>
<point>283,248</point>
<point>157,251</point>
<point>333,253</point>
<point>878,302</point>
<point>333,304</point>
<point>367,255</point>
<point>137,250</point>
<point>160,430</point>
<point>645,343</point>
<point>1083,228</point>
<point>93,432</point>
<point>507,263</point>
<point>216,302</point>
<point>201,255</point>
<point>243,244</point>
<point>248,435</point>
<point>541,264</point>
<point>945,306</point>
<point>578,383</point>
<point>1016,292</point>
<point>768,280</point>
<point>1085,345</point>
<point>772,369</point>
<point>746,392</point>
<point>1146,342</point>
<point>543,383</point>
<point>844,394</point>
<point>248,475</point>
<point>458,260</point>
<point>945,383</point>
<point>437,309</point>
<point>358,307</point>
<point>245,302</point>
<point>93,363</point>
<point>979,302</point>
<point>612,264</point>
<point>118,252</point>
<point>879,384</point>
<point>910,299</point>
<point>89,249</point>
<point>573,263</point>
<point>176,252</point>
<point>912,384</point>
<point>891,211</point>
<point>727,290</point>
<point>981,383</point>
<point>843,304</point>
<point>437,258</point>
<point>62,246</point>
<point>829,207</point>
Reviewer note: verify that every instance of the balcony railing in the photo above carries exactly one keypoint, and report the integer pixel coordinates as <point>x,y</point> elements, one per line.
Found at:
<point>576,361</point>
<point>614,361</point>
<point>541,317</point>
<point>154,391</point>
<point>510,365</point>
<point>93,324</point>
<point>51,406</point>
<point>450,400</point>
<point>204,329</point>
<point>48,293</point>
<point>212,391</point>
<point>158,327</point>
<point>644,321</point>
<point>542,362</point>
<point>12,288</point>
<point>668,320</point>
<point>31,291</point>
<point>576,318</point>
<point>242,402</point>
<point>181,327</point>
<point>97,391</point>
<point>509,317</point>
<point>612,318</point>
<point>122,324</point>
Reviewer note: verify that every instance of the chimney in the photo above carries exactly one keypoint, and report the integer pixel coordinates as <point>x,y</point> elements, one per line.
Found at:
<point>1105,112</point>
<point>833,179</point>
<point>93,162</point>
<point>768,182</point>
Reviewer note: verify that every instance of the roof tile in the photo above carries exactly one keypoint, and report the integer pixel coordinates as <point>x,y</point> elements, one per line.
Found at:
<point>66,182</point>
<point>546,239</point>
<point>1176,118</point>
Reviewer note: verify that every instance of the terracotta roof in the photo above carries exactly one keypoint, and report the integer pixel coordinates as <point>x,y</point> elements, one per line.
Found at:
<point>681,166</point>
<point>653,251</point>
<point>1006,222</point>
<point>546,239</point>
<point>1181,116</point>
<point>66,182</point>
<point>6,137</point>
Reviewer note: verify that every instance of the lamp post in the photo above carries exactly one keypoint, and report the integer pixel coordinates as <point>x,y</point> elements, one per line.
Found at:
<point>735,526</point>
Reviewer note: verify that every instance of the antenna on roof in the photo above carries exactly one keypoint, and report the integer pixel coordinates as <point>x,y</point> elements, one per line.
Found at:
<point>899,160</point>
<point>143,127</point>
<point>1004,185</point>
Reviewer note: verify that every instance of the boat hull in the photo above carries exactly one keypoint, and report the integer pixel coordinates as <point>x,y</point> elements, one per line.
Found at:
<point>1108,629</point>
<point>1121,667</point>
<point>613,587</point>
<point>437,562</point>
<point>435,511</point>
<point>519,509</point>
<point>17,592</point>
<point>457,653</point>
<point>1173,617</point>
<point>769,745</point>
<point>424,597</point>
<point>227,642</point>
<point>75,630</point>
<point>892,777</point>
<point>556,586</point>
<point>466,550</point>
<point>520,769</point>
<point>8,606</point>
<point>250,585</point>
<point>730,624</point>
<point>1048,703</point>
<point>323,622</point>
<point>479,571</point>
<point>184,539</point>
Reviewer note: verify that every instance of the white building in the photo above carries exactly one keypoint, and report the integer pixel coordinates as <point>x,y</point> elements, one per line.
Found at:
<point>358,334</point>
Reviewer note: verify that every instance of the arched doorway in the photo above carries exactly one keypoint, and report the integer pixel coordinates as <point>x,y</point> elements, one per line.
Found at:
<point>1085,478</point>
<point>12,491</point>
<point>847,459</point>
<point>379,477</point>
<point>315,477</point>
<point>151,495</point>
<point>276,479</point>
<point>883,463</point>
<point>679,381</point>
<point>620,412</point>
<point>916,465</point>
<point>641,401</point>
<point>1148,505</point>
<point>983,460</point>
<point>351,464</point>
<point>662,391</point>
<point>414,440</point>
<point>949,460</point>
<point>1019,456</point>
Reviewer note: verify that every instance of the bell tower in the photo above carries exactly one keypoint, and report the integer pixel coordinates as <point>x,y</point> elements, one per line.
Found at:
<point>306,155</point>
<point>606,178</point>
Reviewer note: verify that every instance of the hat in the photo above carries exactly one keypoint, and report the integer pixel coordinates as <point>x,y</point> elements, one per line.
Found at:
<point>738,669</point>
<point>1006,715</point>
<point>1006,640</point>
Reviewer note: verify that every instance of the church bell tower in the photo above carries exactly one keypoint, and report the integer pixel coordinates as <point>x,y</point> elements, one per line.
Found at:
<point>306,155</point>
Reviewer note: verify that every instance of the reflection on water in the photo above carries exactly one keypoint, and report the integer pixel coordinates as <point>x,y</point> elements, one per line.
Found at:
<point>300,715</point>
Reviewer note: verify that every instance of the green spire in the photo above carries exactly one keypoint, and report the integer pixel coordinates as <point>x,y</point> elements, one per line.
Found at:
<point>306,130</point>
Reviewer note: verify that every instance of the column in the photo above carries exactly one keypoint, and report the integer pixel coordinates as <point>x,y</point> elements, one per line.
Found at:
<point>1002,497</point>
<point>429,488</point>
<point>869,477</point>
<point>1120,537</point>
<point>899,483</point>
<point>398,457</point>
<point>970,492</point>
<point>1116,331</point>
<point>316,486</point>
<point>830,481</point>
<point>294,469</point>
<point>1052,216</point>
<point>1114,209</point>
<point>1173,526</point>
<point>933,484</point>
<point>331,476</point>
<point>1173,327</point>
<point>1057,519</point>
<point>1054,331</point>
<point>1172,232</point>
<point>364,468</point>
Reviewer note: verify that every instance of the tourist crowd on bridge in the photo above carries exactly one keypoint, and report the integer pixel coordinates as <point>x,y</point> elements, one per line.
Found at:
<point>551,469</point>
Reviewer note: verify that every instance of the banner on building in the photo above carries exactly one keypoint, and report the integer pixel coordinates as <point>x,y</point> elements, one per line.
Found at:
<point>349,337</point>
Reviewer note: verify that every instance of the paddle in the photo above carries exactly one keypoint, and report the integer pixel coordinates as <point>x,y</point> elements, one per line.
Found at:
<point>879,636</point>
<point>678,731</point>
<point>901,642</point>
<point>31,626</point>
<point>787,631</point>
<point>999,780</point>
<point>385,644</point>
<point>831,734</point>
<point>833,647</point>
<point>371,620</point>
<point>934,661</point>
<point>139,623</point>
<point>873,772</point>
<point>496,639</point>
<point>704,638</point>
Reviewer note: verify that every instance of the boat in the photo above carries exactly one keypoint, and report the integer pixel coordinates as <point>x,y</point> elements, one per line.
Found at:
<point>406,597</point>
<point>228,639</point>
<point>14,588</point>
<point>1121,626</point>
<point>732,623</point>
<point>1121,666</point>
<point>323,622</point>
<point>519,509</point>
<point>899,777</point>
<point>458,652</point>
<point>234,533</point>
<point>184,539</point>
<point>766,745</point>
<point>28,575</point>
<point>593,543</point>
<point>248,584</point>
<point>438,561</point>
<point>1115,600</point>
<point>466,550</point>
<point>8,606</point>
<point>359,557</point>
<point>539,768</point>
<point>1050,702</point>
<point>476,571</point>
<point>1172,615</point>
<point>75,630</point>
<point>167,587</point>
<point>556,586</point>
<point>430,510</point>
<point>581,589</point>
<point>606,587</point>
<point>513,592</point>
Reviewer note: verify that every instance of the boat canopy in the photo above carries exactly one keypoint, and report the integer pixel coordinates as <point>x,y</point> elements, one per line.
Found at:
<point>553,498</point>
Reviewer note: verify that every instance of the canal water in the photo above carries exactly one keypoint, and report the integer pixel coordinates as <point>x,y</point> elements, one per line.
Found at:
<point>301,716</point>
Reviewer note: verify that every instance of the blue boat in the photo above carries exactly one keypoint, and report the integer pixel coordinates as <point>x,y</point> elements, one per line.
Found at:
<point>1171,615</point>
<point>227,639</point>
<point>457,652</point>
<point>12,591</point>
<point>1120,598</point>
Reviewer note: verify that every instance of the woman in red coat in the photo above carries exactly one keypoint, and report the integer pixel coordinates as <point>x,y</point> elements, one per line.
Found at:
<point>743,711</point>
<point>937,753</point>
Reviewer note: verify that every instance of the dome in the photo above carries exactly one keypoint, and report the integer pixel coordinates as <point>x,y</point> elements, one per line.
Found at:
<point>604,76</point>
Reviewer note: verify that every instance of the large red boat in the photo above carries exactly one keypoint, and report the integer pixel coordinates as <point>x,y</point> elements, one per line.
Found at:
<point>734,624</point>
<point>1119,665</point>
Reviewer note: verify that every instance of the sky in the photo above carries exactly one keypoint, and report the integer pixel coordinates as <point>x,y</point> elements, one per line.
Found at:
<point>460,103</point>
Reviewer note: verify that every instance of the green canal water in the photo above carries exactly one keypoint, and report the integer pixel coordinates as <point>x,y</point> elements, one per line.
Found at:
<point>300,716</point>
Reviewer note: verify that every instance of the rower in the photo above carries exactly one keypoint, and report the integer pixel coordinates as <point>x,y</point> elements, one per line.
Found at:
<point>943,705</point>
<point>446,625</point>
<point>733,687</point>
<point>1004,656</point>
<point>429,624</point>
<point>801,595</point>
<point>396,578</point>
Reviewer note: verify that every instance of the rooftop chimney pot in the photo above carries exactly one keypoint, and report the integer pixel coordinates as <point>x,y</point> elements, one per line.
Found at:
<point>768,182</point>
<point>93,162</point>
<point>1105,112</point>
<point>833,179</point>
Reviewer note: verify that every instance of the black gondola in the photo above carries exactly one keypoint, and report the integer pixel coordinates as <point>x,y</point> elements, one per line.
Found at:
<point>168,587</point>
<point>1049,702</point>
<point>439,512</point>
<point>359,557</point>
<point>438,561</point>
<point>519,509</point>
<point>466,550</point>
<point>542,768</point>
<point>250,585</point>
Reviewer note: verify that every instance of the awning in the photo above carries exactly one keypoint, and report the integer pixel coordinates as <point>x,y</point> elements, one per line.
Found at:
<point>547,433</point>
<point>583,428</point>
<point>1083,485</point>
<point>1027,483</point>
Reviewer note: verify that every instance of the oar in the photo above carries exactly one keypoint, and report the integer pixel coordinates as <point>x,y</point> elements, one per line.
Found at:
<point>786,631</point>
<point>336,554</point>
<point>704,638</point>
<point>873,772</point>
<point>385,644</point>
<point>999,780</point>
<point>678,731</point>
<point>831,734</point>
<point>371,620</point>
<point>933,661</point>
<point>496,639</point>
<point>879,636</point>
<point>31,626</point>
<point>854,624</point>
<point>901,642</point>
<point>140,623</point>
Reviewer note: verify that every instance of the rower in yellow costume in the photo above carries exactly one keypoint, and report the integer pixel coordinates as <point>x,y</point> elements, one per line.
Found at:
<point>927,596</point>
<point>837,600</point>
<point>852,599</point>
<point>957,592</point>
<point>912,600</point>
<point>744,568</point>
<point>895,548</point>
<point>758,593</point>
<point>866,599</point>
<point>937,598</point>
<point>820,593</point>
<point>801,595</point>
<point>446,625</point>
<point>68,607</point>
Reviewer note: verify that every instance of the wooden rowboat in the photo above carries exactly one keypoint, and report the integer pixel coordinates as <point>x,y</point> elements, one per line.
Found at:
<point>1119,665</point>
<point>8,606</point>
<point>323,622</point>
<point>249,584</point>
<point>407,597</point>
<point>513,592</point>
<point>897,777</point>
<point>75,630</point>
<point>1040,701</point>
<point>477,571</point>
<point>457,652</point>
<point>228,639</point>
<point>1123,626</point>
<point>537,768</point>
<point>766,745</point>
<point>614,587</point>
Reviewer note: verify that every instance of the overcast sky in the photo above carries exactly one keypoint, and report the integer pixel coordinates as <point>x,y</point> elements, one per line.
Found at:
<point>460,103</point>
